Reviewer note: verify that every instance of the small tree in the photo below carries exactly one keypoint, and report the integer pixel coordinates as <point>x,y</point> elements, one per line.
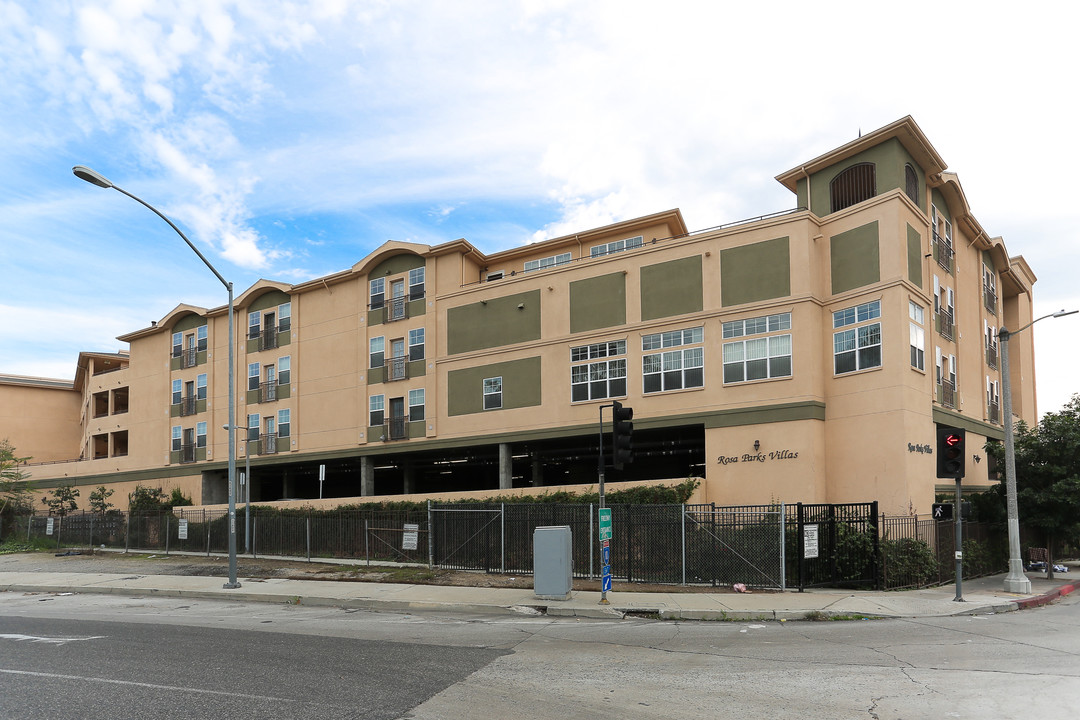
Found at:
<point>15,492</point>
<point>148,501</point>
<point>99,500</point>
<point>62,501</point>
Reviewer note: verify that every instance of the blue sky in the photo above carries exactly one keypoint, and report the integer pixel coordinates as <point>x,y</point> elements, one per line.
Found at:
<point>289,139</point>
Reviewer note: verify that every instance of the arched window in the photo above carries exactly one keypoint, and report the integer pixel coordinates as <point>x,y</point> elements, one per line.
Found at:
<point>911,183</point>
<point>853,185</point>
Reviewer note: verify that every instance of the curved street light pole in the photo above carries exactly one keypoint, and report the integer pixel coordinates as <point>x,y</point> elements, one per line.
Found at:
<point>94,178</point>
<point>1016,581</point>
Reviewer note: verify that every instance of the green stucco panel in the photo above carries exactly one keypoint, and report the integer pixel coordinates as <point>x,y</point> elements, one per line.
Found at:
<point>671,288</point>
<point>269,299</point>
<point>520,385</point>
<point>598,302</point>
<point>939,202</point>
<point>188,322</point>
<point>756,272</point>
<point>855,258</point>
<point>889,159</point>
<point>396,265</point>
<point>496,322</point>
<point>914,256</point>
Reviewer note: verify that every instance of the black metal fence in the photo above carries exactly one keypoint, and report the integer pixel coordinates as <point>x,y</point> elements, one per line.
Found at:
<point>760,546</point>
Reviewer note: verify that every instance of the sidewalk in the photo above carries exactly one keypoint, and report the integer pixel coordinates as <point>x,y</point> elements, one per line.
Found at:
<point>980,595</point>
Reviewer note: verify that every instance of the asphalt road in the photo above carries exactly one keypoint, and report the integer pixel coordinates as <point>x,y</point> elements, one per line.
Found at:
<point>108,657</point>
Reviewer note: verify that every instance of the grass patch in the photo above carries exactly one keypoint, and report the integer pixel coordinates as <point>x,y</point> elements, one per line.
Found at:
<point>37,544</point>
<point>819,616</point>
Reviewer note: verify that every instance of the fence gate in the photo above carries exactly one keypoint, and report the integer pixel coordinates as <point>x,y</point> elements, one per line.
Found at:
<point>724,547</point>
<point>836,545</point>
<point>464,538</point>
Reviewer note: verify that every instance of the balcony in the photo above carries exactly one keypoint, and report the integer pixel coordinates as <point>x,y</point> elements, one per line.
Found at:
<point>268,445</point>
<point>187,453</point>
<point>993,411</point>
<point>268,340</point>
<point>943,252</point>
<point>397,368</point>
<point>947,394</point>
<point>945,324</point>
<point>990,299</point>
<point>992,355</point>
<point>397,309</point>
<point>397,428</point>
<point>268,392</point>
<point>188,358</point>
<point>187,405</point>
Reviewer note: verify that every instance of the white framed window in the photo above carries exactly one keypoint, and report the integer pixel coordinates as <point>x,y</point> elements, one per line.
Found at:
<point>493,393</point>
<point>284,367</point>
<point>376,410</point>
<point>253,426</point>
<point>177,434</point>
<point>177,391</point>
<point>200,434</point>
<point>857,348</point>
<point>201,335</point>
<point>416,344</point>
<point>416,405</point>
<point>254,324</point>
<point>673,369</point>
<point>759,358</point>
<point>377,352</point>
<point>617,246</point>
<point>284,317</point>
<point>253,375</point>
<point>598,373</point>
<point>177,344</point>
<point>378,293</point>
<point>284,425</point>
<point>416,283</point>
<point>200,387</point>
<point>542,263</point>
<point>916,335</point>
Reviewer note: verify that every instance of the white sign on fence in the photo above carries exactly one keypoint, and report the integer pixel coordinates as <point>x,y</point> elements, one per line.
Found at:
<point>49,526</point>
<point>183,529</point>
<point>810,541</point>
<point>410,536</point>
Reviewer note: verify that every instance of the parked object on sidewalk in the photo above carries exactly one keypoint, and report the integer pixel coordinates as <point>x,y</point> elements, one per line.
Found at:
<point>1041,567</point>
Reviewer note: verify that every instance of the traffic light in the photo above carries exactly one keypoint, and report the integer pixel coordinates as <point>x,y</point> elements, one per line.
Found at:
<point>950,452</point>
<point>941,511</point>
<point>622,430</point>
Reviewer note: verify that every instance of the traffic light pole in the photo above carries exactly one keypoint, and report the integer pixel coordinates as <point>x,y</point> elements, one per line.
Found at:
<point>600,473</point>
<point>958,517</point>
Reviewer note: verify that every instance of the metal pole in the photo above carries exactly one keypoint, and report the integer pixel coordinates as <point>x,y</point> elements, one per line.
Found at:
<point>502,537</point>
<point>600,472</point>
<point>783,550</point>
<point>684,544</point>
<point>958,520</point>
<point>247,492</point>
<point>430,538</point>
<point>592,552</point>
<point>1016,581</point>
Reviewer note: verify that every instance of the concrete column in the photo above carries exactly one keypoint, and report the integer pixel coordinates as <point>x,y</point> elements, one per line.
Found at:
<point>409,473</point>
<point>506,467</point>
<point>286,485</point>
<point>537,471</point>
<point>367,476</point>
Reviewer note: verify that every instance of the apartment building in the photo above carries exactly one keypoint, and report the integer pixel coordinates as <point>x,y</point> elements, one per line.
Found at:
<point>801,356</point>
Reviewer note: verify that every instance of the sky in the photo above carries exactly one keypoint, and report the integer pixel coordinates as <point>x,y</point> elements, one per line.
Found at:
<point>290,139</point>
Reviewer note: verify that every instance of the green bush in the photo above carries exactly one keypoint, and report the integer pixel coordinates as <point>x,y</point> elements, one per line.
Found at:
<point>908,561</point>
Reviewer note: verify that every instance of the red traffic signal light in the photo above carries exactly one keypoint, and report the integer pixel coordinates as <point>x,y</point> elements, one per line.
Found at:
<point>950,452</point>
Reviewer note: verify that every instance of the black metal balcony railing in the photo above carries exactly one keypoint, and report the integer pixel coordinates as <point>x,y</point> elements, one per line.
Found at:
<point>268,340</point>
<point>397,428</point>
<point>187,406</point>
<point>992,355</point>
<point>946,324</point>
<point>268,445</point>
<point>947,393</point>
<point>188,358</point>
<point>943,252</point>
<point>268,392</point>
<point>397,368</point>
<point>396,309</point>
<point>990,299</point>
<point>187,453</point>
<point>994,412</point>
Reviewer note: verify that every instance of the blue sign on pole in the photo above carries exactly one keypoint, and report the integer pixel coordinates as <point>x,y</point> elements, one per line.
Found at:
<point>606,586</point>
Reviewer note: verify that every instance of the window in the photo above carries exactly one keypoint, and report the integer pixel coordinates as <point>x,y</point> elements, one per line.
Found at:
<point>758,358</point>
<point>916,336</point>
<point>253,427</point>
<point>990,334</point>
<point>177,391</point>
<point>283,423</point>
<point>990,290</point>
<point>492,393</point>
<point>284,373</point>
<point>416,405</point>
<point>177,344</point>
<point>376,406</point>
<point>416,344</point>
<point>602,378</point>
<point>673,369</point>
<point>253,376</point>
<point>993,400</point>
<point>254,324</point>
<point>617,246</point>
<point>416,283</point>
<point>200,387</point>
<point>852,186</point>
<point>858,348</point>
<point>378,293</point>
<point>176,435</point>
<point>560,259</point>
<point>284,317</point>
<point>200,333</point>
<point>911,183</point>
<point>200,434</point>
<point>377,352</point>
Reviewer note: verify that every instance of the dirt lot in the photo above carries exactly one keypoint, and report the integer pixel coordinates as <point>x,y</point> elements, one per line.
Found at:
<point>144,564</point>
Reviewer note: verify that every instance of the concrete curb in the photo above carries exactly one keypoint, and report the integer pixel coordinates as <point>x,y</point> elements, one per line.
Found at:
<point>1045,598</point>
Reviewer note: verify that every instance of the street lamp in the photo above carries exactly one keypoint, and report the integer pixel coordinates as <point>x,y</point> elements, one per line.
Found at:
<point>85,173</point>
<point>1016,581</point>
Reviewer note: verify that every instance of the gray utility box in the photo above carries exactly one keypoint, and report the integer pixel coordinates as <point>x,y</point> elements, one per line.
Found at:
<point>553,562</point>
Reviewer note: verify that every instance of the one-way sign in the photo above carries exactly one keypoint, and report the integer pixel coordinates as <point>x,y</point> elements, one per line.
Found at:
<point>942,511</point>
